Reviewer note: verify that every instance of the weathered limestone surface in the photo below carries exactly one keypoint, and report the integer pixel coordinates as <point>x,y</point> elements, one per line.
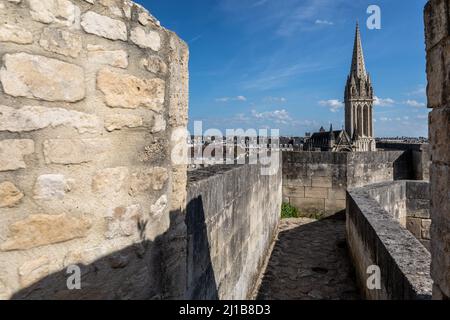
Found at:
<point>62,12</point>
<point>9,194</point>
<point>31,118</point>
<point>32,271</point>
<point>114,58</point>
<point>40,230</point>
<point>104,26</point>
<point>12,153</point>
<point>123,221</point>
<point>127,91</point>
<point>38,77</point>
<point>74,151</point>
<point>61,41</point>
<point>377,236</point>
<point>437,20</point>
<point>316,182</point>
<point>52,186</point>
<point>110,181</point>
<point>417,158</point>
<point>155,64</point>
<point>120,121</point>
<point>16,34</point>
<point>144,40</point>
<point>88,90</point>
<point>232,218</point>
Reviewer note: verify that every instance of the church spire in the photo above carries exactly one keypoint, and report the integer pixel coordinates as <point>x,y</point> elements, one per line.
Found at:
<point>358,65</point>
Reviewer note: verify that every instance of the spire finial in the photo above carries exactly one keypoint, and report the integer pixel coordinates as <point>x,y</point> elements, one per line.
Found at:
<point>358,65</point>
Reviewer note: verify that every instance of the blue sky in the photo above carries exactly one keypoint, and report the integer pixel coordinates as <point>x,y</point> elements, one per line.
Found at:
<point>283,64</point>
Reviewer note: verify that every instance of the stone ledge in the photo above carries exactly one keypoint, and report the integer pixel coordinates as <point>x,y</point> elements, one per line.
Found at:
<point>376,238</point>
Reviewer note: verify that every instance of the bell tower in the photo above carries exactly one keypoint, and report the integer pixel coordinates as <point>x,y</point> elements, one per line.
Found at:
<point>359,101</point>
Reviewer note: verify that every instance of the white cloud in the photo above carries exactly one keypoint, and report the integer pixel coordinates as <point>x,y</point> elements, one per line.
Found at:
<point>284,18</point>
<point>225,99</point>
<point>228,99</point>
<point>333,104</point>
<point>415,103</point>
<point>419,91</point>
<point>422,116</point>
<point>278,116</point>
<point>324,22</point>
<point>380,102</point>
<point>275,99</point>
<point>277,74</point>
<point>194,39</point>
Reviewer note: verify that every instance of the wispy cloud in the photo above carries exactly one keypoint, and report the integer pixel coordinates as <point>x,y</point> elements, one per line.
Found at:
<point>389,102</point>
<point>415,103</point>
<point>195,39</point>
<point>420,90</point>
<point>259,3</point>
<point>383,102</point>
<point>275,76</point>
<point>333,104</point>
<point>324,22</point>
<point>284,18</point>
<point>275,100</point>
<point>270,119</point>
<point>228,99</point>
<point>277,116</point>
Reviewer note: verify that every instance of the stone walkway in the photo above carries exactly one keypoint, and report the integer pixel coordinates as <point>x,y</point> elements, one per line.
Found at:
<point>309,262</point>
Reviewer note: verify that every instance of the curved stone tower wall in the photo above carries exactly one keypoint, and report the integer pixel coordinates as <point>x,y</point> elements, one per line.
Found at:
<point>91,93</point>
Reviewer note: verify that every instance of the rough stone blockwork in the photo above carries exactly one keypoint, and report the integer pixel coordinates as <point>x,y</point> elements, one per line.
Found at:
<point>316,182</point>
<point>232,220</point>
<point>91,93</point>
<point>376,235</point>
<point>437,32</point>
<point>418,154</point>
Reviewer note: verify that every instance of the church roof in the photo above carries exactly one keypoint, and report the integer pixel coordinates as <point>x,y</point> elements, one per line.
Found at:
<point>358,69</point>
<point>326,134</point>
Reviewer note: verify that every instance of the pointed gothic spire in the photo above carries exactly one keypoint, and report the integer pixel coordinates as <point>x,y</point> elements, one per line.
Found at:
<point>358,65</point>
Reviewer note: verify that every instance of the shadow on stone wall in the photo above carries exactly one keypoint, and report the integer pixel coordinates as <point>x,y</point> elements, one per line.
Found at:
<point>403,166</point>
<point>146,270</point>
<point>201,277</point>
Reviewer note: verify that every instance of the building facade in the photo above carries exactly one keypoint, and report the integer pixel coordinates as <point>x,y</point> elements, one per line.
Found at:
<point>358,135</point>
<point>329,141</point>
<point>359,99</point>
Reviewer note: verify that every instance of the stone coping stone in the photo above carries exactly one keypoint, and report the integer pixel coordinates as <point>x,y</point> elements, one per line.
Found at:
<point>410,256</point>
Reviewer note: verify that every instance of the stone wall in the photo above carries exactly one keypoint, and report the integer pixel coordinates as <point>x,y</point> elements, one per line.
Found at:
<point>419,154</point>
<point>316,182</point>
<point>408,203</point>
<point>392,198</point>
<point>377,236</point>
<point>437,26</point>
<point>232,219</point>
<point>418,220</point>
<point>371,167</point>
<point>90,97</point>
